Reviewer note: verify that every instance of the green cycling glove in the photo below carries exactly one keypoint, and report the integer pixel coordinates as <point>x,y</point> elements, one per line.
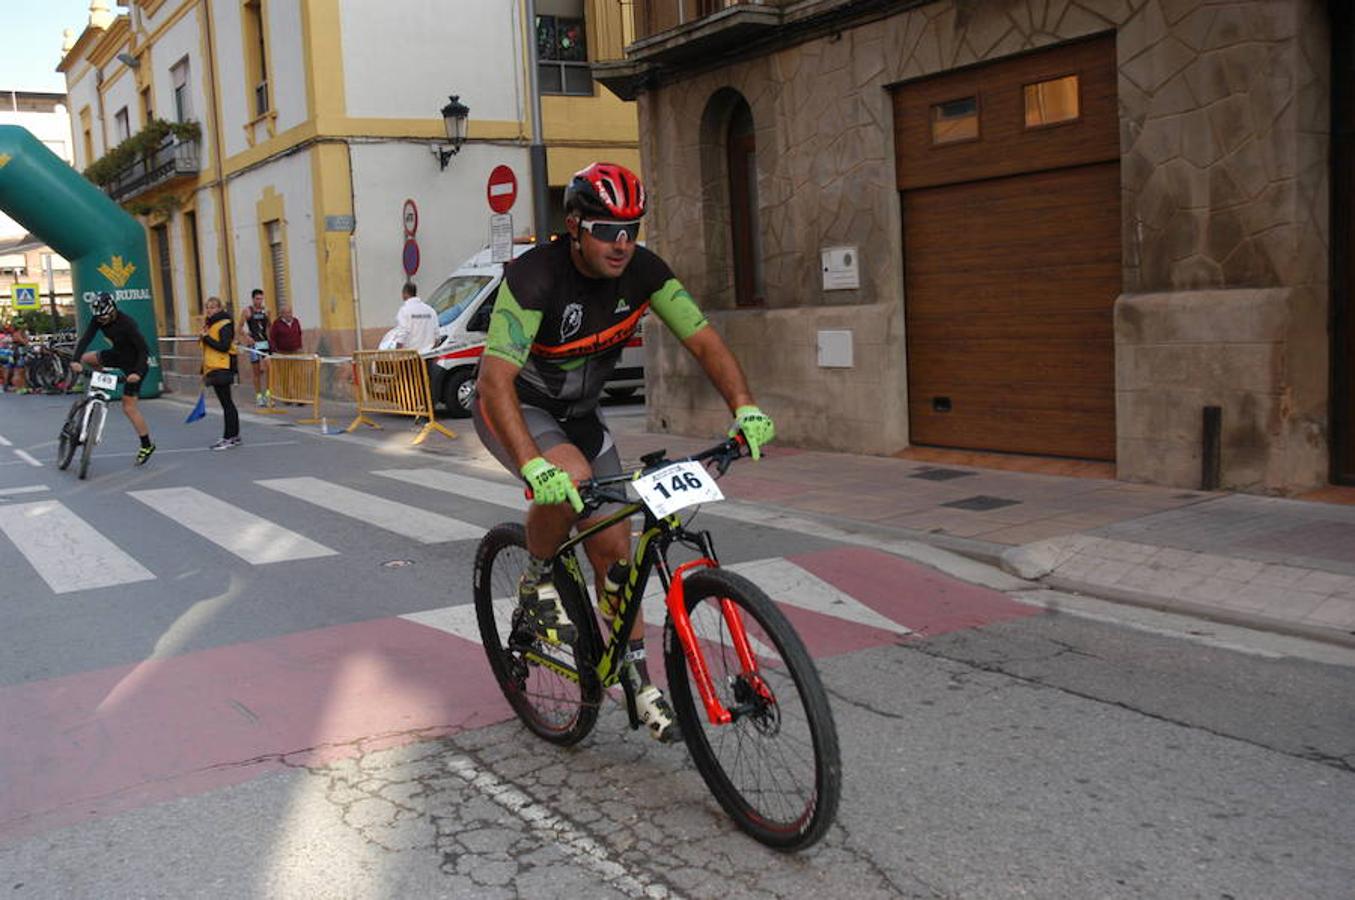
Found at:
<point>551,484</point>
<point>756,426</point>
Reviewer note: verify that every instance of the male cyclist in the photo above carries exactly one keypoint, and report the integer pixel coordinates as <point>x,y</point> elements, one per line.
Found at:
<point>562,315</point>
<point>128,353</point>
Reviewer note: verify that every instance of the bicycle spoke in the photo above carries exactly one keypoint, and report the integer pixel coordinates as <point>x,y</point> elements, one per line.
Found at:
<point>775,767</point>
<point>540,680</point>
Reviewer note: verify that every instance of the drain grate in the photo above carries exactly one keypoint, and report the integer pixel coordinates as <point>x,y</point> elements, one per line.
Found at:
<point>941,474</point>
<point>981,502</point>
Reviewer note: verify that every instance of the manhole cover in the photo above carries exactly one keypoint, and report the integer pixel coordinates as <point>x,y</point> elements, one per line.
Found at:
<point>980,503</point>
<point>397,563</point>
<point>940,474</point>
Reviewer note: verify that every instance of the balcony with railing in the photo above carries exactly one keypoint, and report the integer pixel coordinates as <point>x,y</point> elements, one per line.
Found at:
<point>169,160</point>
<point>676,33</point>
<point>655,17</point>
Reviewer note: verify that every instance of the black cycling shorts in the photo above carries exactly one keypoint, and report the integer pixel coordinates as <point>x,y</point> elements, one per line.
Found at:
<point>587,432</point>
<point>109,359</point>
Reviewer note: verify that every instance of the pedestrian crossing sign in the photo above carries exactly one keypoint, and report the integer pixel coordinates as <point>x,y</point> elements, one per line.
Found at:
<point>26,296</point>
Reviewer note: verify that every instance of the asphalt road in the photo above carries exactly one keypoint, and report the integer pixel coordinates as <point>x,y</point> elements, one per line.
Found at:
<point>239,675</point>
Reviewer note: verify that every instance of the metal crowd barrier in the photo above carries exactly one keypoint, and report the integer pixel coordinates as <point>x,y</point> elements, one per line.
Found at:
<point>394,382</point>
<point>294,378</point>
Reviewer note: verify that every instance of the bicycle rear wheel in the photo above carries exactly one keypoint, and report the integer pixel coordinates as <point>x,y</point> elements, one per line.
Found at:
<point>96,421</point>
<point>553,688</point>
<point>776,769</point>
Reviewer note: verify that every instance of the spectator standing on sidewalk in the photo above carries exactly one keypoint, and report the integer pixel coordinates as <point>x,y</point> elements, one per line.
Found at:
<point>254,335</point>
<point>284,335</point>
<point>219,368</point>
<point>13,340</point>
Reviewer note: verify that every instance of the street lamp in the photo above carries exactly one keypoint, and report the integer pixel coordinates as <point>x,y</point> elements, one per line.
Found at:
<point>454,120</point>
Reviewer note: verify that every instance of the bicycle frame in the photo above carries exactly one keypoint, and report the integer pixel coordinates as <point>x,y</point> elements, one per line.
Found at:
<point>93,395</point>
<point>651,553</point>
<point>99,398</point>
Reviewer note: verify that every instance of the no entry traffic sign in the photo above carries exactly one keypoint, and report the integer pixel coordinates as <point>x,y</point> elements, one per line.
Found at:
<point>502,190</point>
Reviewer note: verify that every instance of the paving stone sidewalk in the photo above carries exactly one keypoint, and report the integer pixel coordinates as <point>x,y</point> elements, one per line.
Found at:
<point>1273,563</point>
<point>1268,562</point>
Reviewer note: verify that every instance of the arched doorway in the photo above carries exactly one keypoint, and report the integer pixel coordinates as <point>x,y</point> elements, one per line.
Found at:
<point>730,199</point>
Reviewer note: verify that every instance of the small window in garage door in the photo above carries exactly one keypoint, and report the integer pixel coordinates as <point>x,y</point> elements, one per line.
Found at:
<point>1052,102</point>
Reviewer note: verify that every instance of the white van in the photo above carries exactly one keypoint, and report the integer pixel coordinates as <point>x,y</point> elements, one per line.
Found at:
<point>464,303</point>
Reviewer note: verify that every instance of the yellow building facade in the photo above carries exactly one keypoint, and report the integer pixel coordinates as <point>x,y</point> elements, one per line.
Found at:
<point>281,144</point>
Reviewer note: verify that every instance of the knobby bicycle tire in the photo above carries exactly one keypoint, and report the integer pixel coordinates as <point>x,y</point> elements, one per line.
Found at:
<point>552,706</point>
<point>70,436</point>
<point>96,416</point>
<point>776,769</point>
<point>36,373</point>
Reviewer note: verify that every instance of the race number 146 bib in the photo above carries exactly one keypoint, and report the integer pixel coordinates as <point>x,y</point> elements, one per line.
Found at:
<point>677,487</point>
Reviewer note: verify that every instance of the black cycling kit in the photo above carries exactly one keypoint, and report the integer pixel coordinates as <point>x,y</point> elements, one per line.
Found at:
<point>128,351</point>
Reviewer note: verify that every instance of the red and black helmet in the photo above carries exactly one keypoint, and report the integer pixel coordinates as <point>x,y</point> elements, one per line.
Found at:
<point>605,191</point>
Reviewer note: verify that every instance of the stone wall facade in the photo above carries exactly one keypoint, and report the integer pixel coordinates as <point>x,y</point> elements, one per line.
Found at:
<point>1224,135</point>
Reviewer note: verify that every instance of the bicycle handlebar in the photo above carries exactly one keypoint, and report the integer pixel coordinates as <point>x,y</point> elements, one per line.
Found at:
<point>597,492</point>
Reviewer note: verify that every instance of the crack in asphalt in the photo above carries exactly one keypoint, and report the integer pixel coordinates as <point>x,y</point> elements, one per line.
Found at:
<point>895,889</point>
<point>507,815</point>
<point>996,668</point>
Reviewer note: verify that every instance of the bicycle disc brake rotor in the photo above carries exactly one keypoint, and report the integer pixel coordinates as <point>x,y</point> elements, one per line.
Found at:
<point>760,703</point>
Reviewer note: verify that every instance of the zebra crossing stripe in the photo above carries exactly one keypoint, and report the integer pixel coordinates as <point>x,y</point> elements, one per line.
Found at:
<point>252,538</point>
<point>785,582</point>
<point>26,489</point>
<point>407,521</point>
<point>810,592</point>
<point>69,553</point>
<point>464,486</point>
<point>457,620</point>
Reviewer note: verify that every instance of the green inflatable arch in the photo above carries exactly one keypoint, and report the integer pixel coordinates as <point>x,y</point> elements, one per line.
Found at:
<point>106,246</point>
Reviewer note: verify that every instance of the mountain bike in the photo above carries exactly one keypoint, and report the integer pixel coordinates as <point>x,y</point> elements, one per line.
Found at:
<point>752,710</point>
<point>48,366</point>
<point>84,424</point>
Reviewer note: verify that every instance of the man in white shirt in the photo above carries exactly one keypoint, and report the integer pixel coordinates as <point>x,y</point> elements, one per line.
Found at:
<point>416,324</point>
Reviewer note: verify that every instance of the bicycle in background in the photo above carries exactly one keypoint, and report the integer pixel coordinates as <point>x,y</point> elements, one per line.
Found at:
<point>747,696</point>
<point>49,365</point>
<point>84,424</point>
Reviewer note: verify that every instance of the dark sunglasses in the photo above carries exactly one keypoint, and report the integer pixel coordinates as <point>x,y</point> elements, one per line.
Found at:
<point>610,232</point>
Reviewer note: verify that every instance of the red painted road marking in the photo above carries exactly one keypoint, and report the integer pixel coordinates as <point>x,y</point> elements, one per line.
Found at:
<point>920,598</point>
<point>99,742</point>
<point>96,743</point>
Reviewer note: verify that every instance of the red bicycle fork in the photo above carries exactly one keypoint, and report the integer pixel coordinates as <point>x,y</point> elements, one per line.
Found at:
<point>696,661</point>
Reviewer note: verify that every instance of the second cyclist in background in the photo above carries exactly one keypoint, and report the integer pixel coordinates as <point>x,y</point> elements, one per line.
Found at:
<point>128,353</point>
<point>254,335</point>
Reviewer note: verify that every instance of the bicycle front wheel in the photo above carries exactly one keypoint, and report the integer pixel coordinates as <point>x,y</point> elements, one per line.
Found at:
<point>776,769</point>
<point>96,421</point>
<point>70,435</point>
<point>553,688</point>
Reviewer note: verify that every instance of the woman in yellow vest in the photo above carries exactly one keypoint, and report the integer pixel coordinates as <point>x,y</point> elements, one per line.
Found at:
<point>218,368</point>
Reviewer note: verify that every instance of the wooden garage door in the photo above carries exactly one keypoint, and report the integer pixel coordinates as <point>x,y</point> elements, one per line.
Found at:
<point>1012,264</point>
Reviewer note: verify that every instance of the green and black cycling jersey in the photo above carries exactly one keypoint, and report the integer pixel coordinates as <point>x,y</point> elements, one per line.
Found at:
<point>567,330</point>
